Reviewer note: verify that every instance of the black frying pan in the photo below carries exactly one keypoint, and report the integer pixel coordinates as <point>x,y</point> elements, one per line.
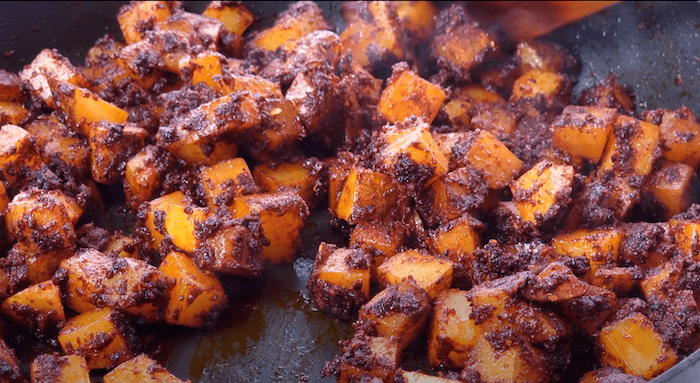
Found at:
<point>271,333</point>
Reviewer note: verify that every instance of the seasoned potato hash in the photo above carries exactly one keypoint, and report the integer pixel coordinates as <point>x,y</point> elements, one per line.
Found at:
<point>489,223</point>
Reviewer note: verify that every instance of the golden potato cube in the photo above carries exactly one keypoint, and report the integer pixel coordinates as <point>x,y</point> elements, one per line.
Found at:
<point>660,280</point>
<point>632,148</point>
<point>582,131</point>
<point>610,94</point>
<point>376,42</point>
<point>282,216</point>
<point>103,336</point>
<point>460,44</point>
<point>12,113</point>
<point>411,155</point>
<point>458,113</point>
<point>497,299</point>
<point>600,246</point>
<point>296,22</point>
<point>42,219</point>
<point>136,18</point>
<point>621,280</point>
<point>11,369</point>
<point>59,146</point>
<point>123,246</point>
<point>635,346</point>
<point>233,250</point>
<point>672,187</point>
<point>202,68</point>
<point>197,297</point>
<point>543,55</point>
<point>40,265</point>
<point>456,240</point>
<point>256,85</point>
<point>518,363</point>
<point>112,145</point>
<point>459,192</point>
<point>477,94</point>
<point>49,65</point>
<point>417,17</point>
<point>446,141</point>
<point>79,107</point>
<point>18,155</point>
<point>490,156</point>
<point>367,196</point>
<point>399,311</point>
<point>340,279</point>
<point>382,359</point>
<point>144,174</point>
<point>302,175</point>
<point>590,311</point>
<point>173,216</point>
<point>687,235</point>
<point>556,282</point>
<point>52,368</point>
<point>543,191</point>
<point>279,133</point>
<point>338,171</point>
<point>607,374</point>
<point>140,369</point>
<point>431,273</point>
<point>236,17</point>
<point>419,377</point>
<point>92,280</point>
<point>225,181</point>
<point>407,94</point>
<point>547,89</point>
<point>379,239</point>
<point>680,137</point>
<point>9,87</point>
<point>497,117</point>
<point>37,307</point>
<point>453,332</point>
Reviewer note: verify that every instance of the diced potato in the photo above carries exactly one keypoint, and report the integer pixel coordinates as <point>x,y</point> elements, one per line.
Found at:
<point>431,273</point>
<point>546,89</point>
<point>407,94</point>
<point>52,368</point>
<point>59,146</point>
<point>144,174</point>
<point>555,283</point>
<point>517,363</point>
<point>621,280</point>
<point>338,171</point>
<point>211,33</point>
<point>417,17</point>
<point>411,155</point>
<point>197,297</point>
<point>280,132</point>
<point>461,191</point>
<point>680,137</point>
<point>256,85</point>
<point>18,155</point>
<point>300,19</point>
<point>202,68</point>
<point>379,239</point>
<point>610,94</point>
<point>672,186</point>
<point>11,369</point>
<point>419,377</point>
<point>225,181</point>
<point>49,64</point>
<point>600,246</point>
<point>543,192</point>
<point>173,216</point>
<point>111,147</point>
<point>658,281</point>
<point>12,113</point>
<point>582,131</point>
<point>302,175</point>
<point>103,336</point>
<point>233,250</point>
<point>496,300</point>
<point>543,55</point>
<point>382,359</point>
<point>456,240</point>
<point>495,117</point>
<point>367,196</point>
<point>80,107</point>
<point>123,246</point>
<point>446,141</point>
<point>635,346</point>
<point>458,113</point>
<point>606,374</point>
<point>42,219</point>
<point>490,156</point>
<point>9,87</point>
<point>399,311</point>
<point>590,311</point>
<point>340,279</point>
<point>453,332</point>
<point>282,216</point>
<point>316,98</point>
<point>236,17</point>
<point>92,280</point>
<point>376,42</point>
<point>632,149</point>
<point>141,369</point>
<point>460,44</point>
<point>37,307</point>
<point>138,17</point>
<point>687,235</point>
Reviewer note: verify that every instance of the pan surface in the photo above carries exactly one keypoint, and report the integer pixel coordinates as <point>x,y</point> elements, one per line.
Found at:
<point>271,332</point>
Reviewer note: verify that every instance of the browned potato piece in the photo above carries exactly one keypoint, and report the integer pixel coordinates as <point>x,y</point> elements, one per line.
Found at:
<point>10,372</point>
<point>374,42</point>
<point>553,284</point>
<point>233,250</point>
<point>460,192</point>
<point>672,187</point>
<point>141,369</point>
<point>381,357</point>
<point>590,311</point>
<point>235,16</point>
<point>37,307</point>
<point>123,246</point>
<point>52,368</point>
<point>545,90</point>
<point>632,149</point>
<point>302,175</point>
<point>456,240</point>
<point>379,239</point>
<point>496,117</point>
<point>92,280</point>
<point>407,94</point>
<point>453,332</point>
<point>103,336</point>
<point>144,174</point>
<point>49,64</point>
<point>339,280</point>
<point>600,246</point>
<point>460,44</point>
<point>680,136</point>
<point>225,181</point>
<point>582,131</point>
<point>635,346</point>
<point>417,17</point>
<point>543,55</point>
<point>687,234</point>
<point>483,151</point>
<point>399,311</point>
<point>282,216</point>
<point>12,113</point>
<point>419,377</point>
<point>172,217</point>
<point>610,94</point>
<point>202,68</point>
<point>607,374</point>
<point>112,145</point>
<point>300,19</point>
<point>660,281</point>
<point>42,219</point>
<point>517,363</point>
<point>431,273</point>
<point>138,17</point>
<point>197,297</point>
<point>367,196</point>
<point>543,192</point>
<point>338,172</point>
<point>9,87</point>
<point>18,155</point>
<point>59,146</point>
